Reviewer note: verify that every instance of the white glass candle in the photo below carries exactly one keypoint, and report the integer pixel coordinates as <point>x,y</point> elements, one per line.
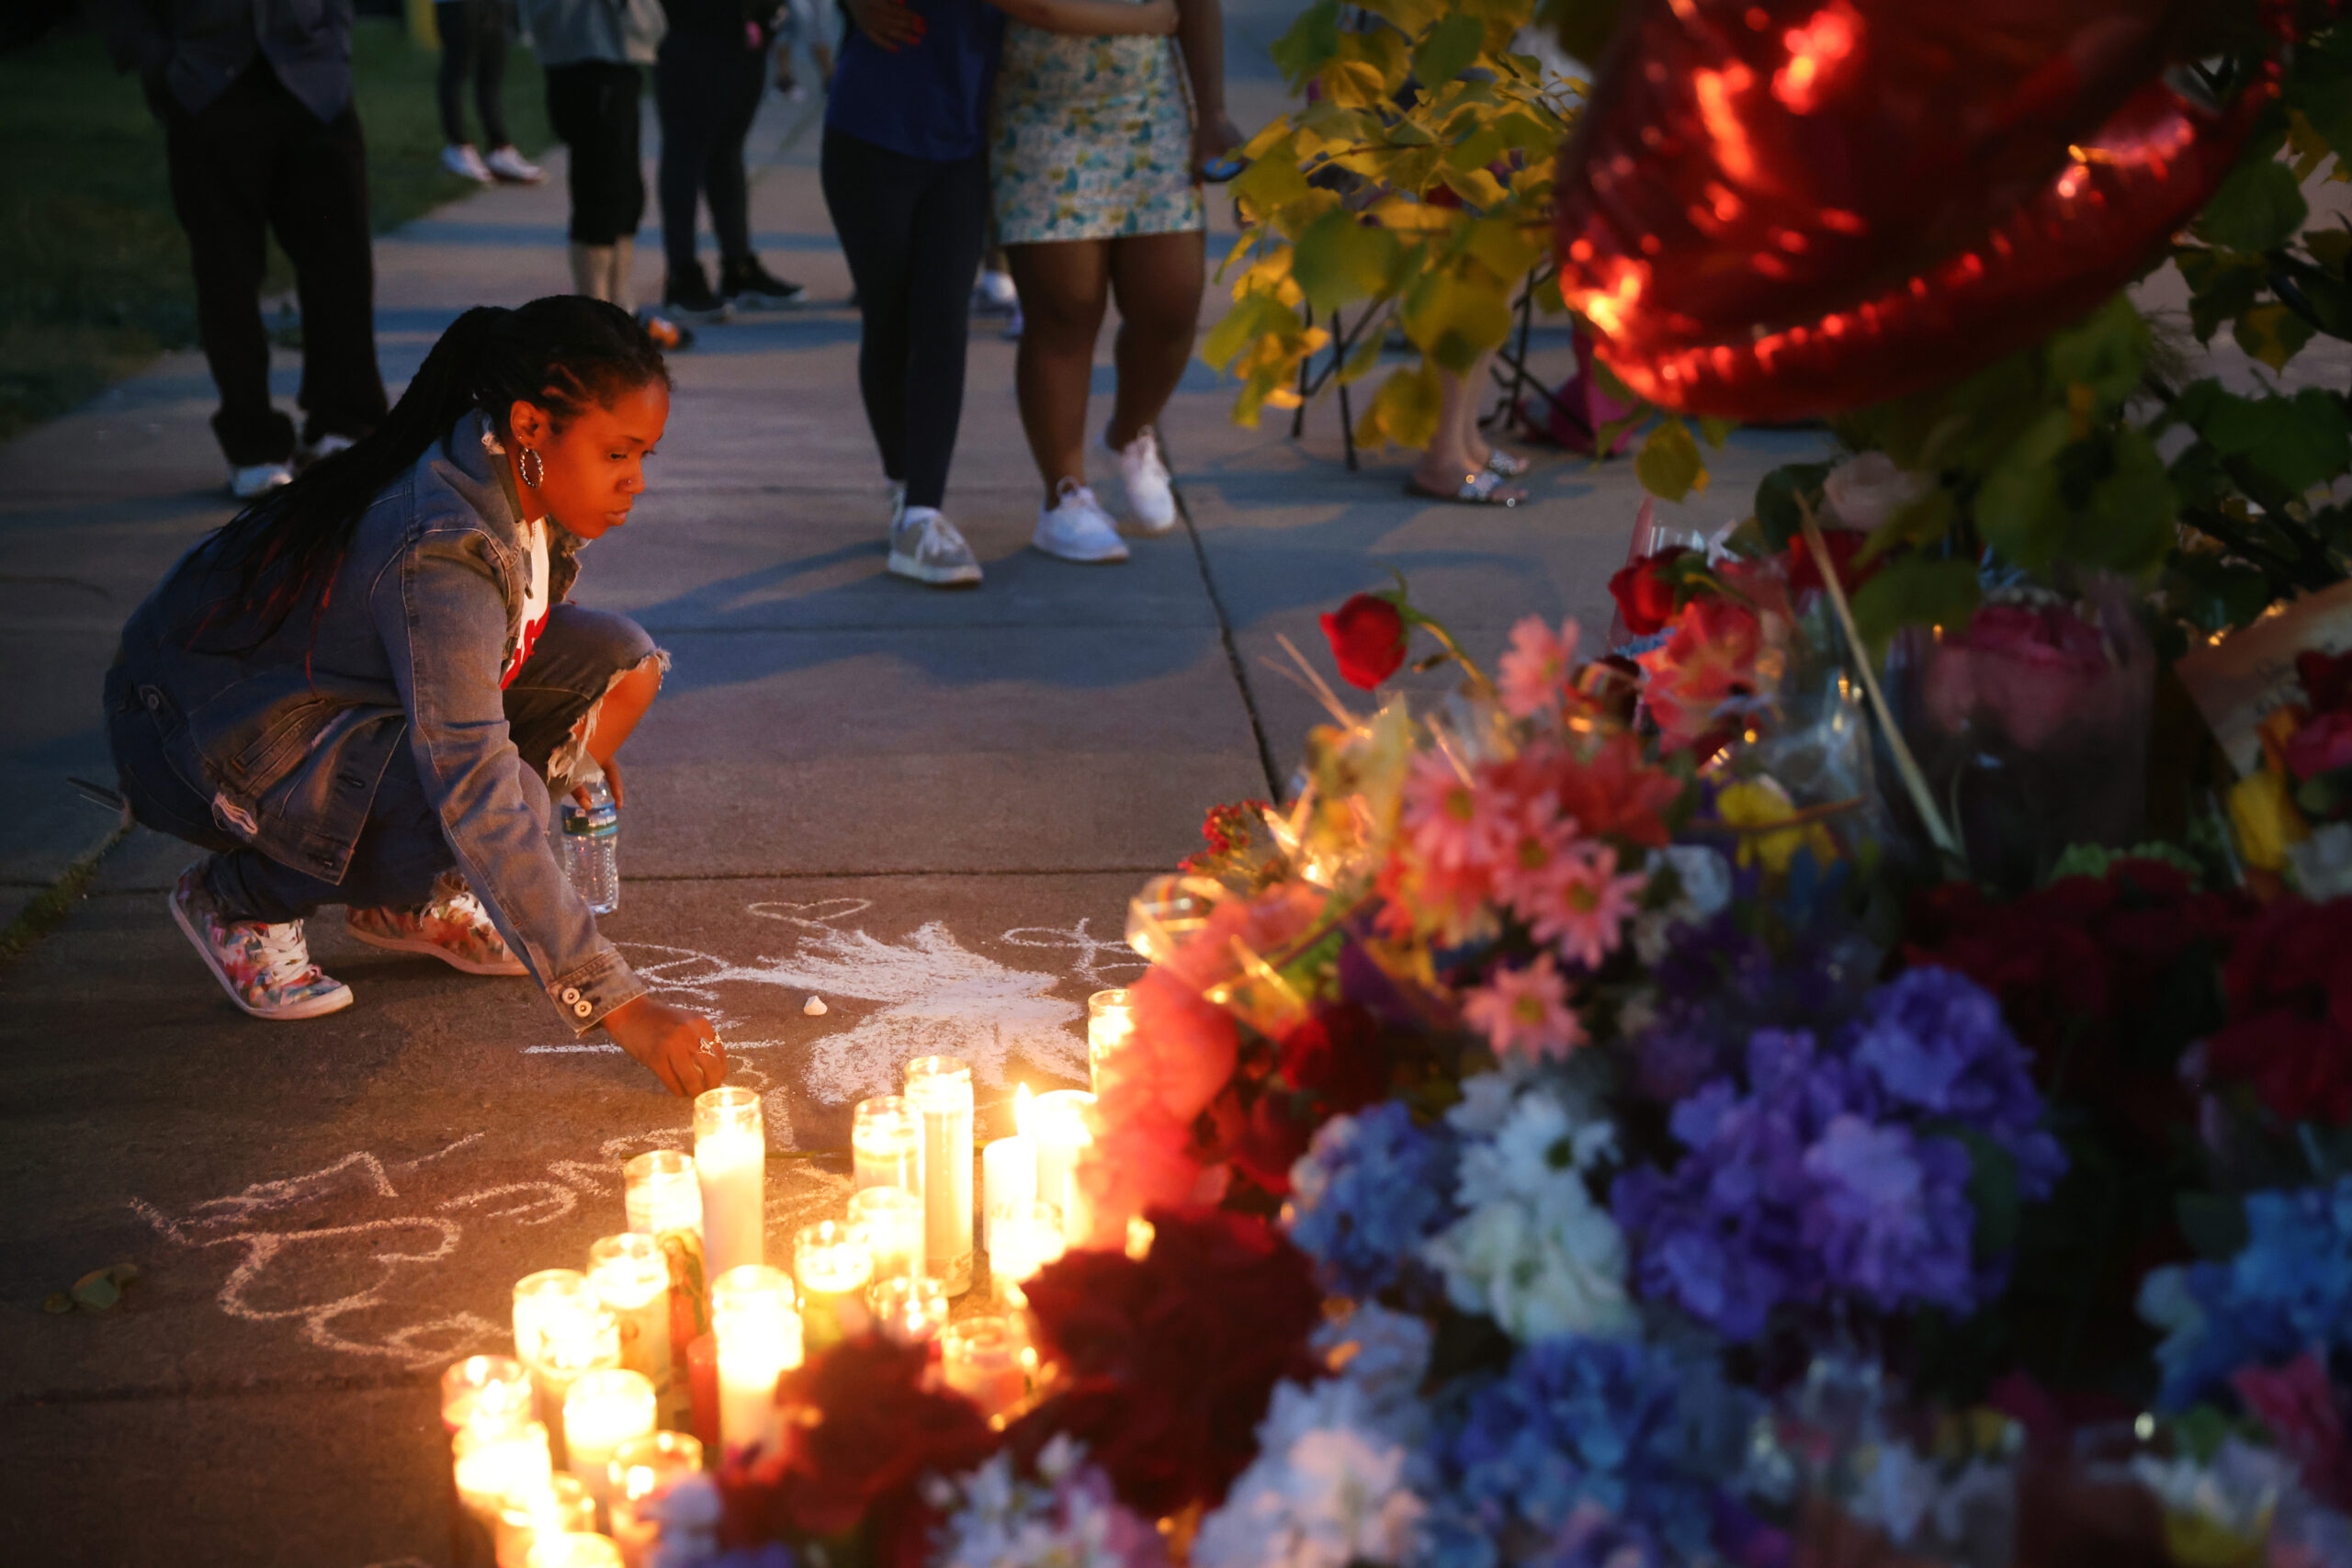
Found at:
<point>758,1335</point>
<point>981,1359</point>
<point>1007,1178</point>
<point>632,1279</point>
<point>909,1311</point>
<point>890,1219</point>
<point>559,1507</point>
<point>603,1410</point>
<point>490,1464</point>
<point>731,1162</point>
<point>643,1468</point>
<point>1028,1236</point>
<point>1109,1021</point>
<point>575,1549</point>
<point>487,1392</point>
<point>664,1201</point>
<point>562,1330</point>
<point>886,1143</point>
<point>1062,1124</point>
<point>834,1268</point>
<point>940,1089</point>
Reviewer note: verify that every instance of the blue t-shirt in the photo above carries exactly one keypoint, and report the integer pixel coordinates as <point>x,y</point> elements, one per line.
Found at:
<point>927,99</point>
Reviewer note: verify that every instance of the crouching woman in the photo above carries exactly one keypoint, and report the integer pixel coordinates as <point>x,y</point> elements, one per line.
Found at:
<point>366,688</point>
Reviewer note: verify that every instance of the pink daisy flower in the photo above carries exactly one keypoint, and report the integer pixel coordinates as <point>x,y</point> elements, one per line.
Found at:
<point>1534,669</point>
<point>1587,909</point>
<point>1454,825</point>
<point>1525,1011</point>
<point>1530,871</point>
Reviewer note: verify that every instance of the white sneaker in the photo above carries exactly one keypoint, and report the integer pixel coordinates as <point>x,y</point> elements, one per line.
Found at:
<point>266,969</point>
<point>994,295</point>
<point>1077,528</point>
<point>926,547</point>
<point>324,446</point>
<point>257,480</point>
<point>461,160</point>
<point>509,165</point>
<point>1150,496</point>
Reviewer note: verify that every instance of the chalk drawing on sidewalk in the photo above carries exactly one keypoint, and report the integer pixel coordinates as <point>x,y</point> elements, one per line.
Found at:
<point>299,1254</point>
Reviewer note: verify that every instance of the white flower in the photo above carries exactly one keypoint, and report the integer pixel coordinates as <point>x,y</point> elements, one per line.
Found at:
<point>685,1516</point>
<point>1533,1250</point>
<point>1383,1355</point>
<point>1703,876</point>
<point>2236,1492</point>
<point>996,1519</point>
<point>1329,1487</point>
<point>1863,492</point>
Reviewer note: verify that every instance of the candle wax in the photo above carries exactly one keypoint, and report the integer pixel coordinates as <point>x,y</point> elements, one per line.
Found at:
<point>732,1166</point>
<point>1008,1177</point>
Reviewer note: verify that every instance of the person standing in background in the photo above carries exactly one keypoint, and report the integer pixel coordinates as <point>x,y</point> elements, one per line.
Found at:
<point>473,43</point>
<point>904,166</point>
<point>706,87</point>
<point>261,138</point>
<point>1097,147</point>
<point>804,22</point>
<point>592,51</point>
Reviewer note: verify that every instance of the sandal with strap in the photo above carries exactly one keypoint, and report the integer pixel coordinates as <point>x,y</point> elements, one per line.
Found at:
<point>1509,465</point>
<point>1484,488</point>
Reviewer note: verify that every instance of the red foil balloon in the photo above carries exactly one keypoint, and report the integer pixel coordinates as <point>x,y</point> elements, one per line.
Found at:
<point>1779,209</point>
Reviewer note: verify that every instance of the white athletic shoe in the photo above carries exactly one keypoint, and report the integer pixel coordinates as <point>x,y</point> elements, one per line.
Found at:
<point>509,165</point>
<point>460,159</point>
<point>1149,495</point>
<point>926,547</point>
<point>266,969</point>
<point>256,479</point>
<point>1077,528</point>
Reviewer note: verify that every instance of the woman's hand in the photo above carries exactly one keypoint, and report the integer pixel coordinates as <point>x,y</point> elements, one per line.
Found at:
<point>890,25</point>
<point>1214,135</point>
<point>680,1046</point>
<point>612,767</point>
<point>1159,18</point>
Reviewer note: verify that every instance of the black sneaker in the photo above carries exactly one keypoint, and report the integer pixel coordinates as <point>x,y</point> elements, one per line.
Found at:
<point>689,299</point>
<point>749,285</point>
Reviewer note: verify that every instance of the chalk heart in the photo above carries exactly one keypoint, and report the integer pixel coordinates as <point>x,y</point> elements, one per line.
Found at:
<point>294,1273</point>
<point>819,915</point>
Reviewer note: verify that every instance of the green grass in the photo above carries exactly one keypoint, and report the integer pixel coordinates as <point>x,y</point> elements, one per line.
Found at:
<point>94,269</point>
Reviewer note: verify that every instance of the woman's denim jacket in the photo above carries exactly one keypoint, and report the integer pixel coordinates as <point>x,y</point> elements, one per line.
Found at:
<point>290,737</point>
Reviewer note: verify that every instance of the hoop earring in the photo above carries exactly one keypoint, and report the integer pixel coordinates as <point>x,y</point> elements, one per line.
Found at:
<point>533,468</point>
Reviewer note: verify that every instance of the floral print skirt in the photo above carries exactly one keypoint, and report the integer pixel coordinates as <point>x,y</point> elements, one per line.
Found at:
<point>1091,138</point>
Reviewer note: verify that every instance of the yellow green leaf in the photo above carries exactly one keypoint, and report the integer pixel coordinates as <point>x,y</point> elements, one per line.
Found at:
<point>1449,48</point>
<point>2272,333</point>
<point>1355,84</point>
<point>1668,464</point>
<point>1404,412</point>
<point>1454,321</point>
<point>1271,182</point>
<point>1411,16</point>
<point>1340,260</point>
<point>1507,247</point>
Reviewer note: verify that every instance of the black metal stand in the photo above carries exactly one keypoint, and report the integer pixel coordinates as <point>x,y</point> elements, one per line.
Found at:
<point>1311,382</point>
<point>1509,366</point>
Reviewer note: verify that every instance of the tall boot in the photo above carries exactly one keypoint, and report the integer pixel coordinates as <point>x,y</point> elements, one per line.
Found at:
<point>622,291</point>
<point>592,270</point>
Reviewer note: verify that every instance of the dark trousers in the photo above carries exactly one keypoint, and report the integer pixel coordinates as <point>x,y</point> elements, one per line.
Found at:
<point>256,163</point>
<point>592,107</point>
<point>402,851</point>
<point>706,90</point>
<point>912,231</point>
<point>473,42</point>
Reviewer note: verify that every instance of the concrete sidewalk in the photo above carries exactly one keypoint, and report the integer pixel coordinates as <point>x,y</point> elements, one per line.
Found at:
<point>928,808</point>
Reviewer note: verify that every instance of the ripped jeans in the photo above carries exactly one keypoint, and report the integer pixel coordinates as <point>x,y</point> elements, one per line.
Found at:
<point>401,852</point>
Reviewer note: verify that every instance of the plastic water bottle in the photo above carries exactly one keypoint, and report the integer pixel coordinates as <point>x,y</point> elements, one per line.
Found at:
<point>591,846</point>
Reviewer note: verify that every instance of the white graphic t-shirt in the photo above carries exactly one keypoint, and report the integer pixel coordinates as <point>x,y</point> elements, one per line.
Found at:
<point>535,602</point>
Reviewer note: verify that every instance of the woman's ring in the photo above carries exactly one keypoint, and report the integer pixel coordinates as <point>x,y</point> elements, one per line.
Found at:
<point>707,1048</point>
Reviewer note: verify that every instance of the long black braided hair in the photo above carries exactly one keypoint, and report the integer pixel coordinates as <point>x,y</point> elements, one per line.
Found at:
<point>565,353</point>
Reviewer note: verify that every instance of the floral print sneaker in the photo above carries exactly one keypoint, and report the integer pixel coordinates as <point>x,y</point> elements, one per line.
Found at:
<point>266,969</point>
<point>453,928</point>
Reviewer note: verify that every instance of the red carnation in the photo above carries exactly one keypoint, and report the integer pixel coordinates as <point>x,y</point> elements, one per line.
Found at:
<point>1169,1360</point>
<point>1335,1058</point>
<point>1645,591</point>
<point>1367,636</point>
<point>865,1428</point>
<point>2327,679</point>
<point>1844,545</point>
<point>2289,1033</point>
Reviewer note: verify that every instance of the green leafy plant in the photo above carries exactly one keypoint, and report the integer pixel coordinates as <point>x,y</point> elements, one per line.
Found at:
<point>1411,193</point>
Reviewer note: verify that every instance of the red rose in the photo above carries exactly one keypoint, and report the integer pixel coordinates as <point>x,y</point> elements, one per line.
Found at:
<point>867,1430</point>
<point>1644,594</point>
<point>1168,1362</point>
<point>2321,746</point>
<point>1269,1142</point>
<point>1844,545</point>
<point>1367,636</point>
<point>2289,1033</point>
<point>2327,679</point>
<point>1335,1057</point>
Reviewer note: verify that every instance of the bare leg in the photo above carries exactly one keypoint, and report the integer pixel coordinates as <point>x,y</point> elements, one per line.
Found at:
<point>1157,279</point>
<point>625,702</point>
<point>1065,286</point>
<point>1455,453</point>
